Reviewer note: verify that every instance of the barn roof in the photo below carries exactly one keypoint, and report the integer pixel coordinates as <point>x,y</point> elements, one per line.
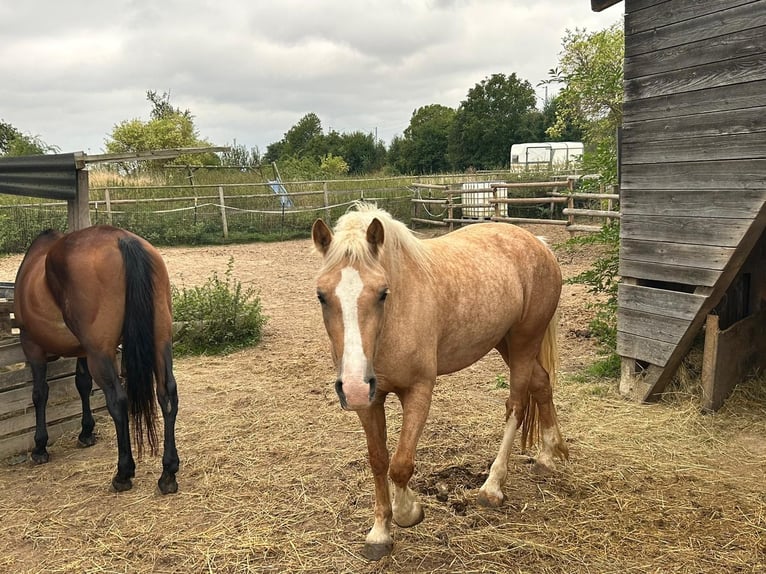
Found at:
<point>599,5</point>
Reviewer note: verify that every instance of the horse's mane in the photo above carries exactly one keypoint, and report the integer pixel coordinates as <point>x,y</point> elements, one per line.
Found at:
<point>350,239</point>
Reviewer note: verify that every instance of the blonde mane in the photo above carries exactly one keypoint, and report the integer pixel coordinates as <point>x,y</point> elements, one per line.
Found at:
<point>349,241</point>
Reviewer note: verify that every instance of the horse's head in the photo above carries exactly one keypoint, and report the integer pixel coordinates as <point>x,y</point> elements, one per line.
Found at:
<point>352,289</point>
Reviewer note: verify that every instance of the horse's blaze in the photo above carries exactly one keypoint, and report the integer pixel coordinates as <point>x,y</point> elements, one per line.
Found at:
<point>354,366</point>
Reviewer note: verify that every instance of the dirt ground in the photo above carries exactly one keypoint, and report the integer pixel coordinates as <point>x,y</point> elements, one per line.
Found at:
<point>274,476</point>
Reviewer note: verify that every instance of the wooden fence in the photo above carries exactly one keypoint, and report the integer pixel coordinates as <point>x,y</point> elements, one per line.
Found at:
<point>17,412</point>
<point>485,203</point>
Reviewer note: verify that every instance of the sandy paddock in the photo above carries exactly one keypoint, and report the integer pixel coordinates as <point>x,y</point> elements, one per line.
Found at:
<point>274,475</point>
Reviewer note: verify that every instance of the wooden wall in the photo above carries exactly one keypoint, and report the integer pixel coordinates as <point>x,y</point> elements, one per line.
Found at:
<point>17,415</point>
<point>693,170</point>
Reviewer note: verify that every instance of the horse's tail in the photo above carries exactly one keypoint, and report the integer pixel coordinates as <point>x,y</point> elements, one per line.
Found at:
<point>549,359</point>
<point>138,341</point>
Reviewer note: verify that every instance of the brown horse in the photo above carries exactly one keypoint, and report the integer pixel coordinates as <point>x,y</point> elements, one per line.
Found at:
<point>399,311</point>
<point>80,295</point>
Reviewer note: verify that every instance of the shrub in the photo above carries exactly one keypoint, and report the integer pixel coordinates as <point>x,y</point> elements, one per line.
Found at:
<point>602,279</point>
<point>217,318</point>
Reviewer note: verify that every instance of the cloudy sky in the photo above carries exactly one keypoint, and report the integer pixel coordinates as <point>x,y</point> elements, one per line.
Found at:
<point>248,70</point>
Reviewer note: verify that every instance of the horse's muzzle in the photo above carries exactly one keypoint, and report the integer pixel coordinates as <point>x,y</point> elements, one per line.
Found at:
<point>358,396</point>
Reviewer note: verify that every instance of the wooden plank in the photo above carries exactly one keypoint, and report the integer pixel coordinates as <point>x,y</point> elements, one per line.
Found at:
<point>427,221</point>
<point>691,202</point>
<point>694,230</point>
<point>715,49</point>
<point>718,99</point>
<point>659,301</point>
<point>25,442</point>
<point>11,354</point>
<point>651,325</point>
<point>735,71</point>
<point>530,220</point>
<point>665,141</point>
<point>20,399</point>
<point>710,175</point>
<point>686,21</point>
<point>672,273</point>
<point>17,377</point>
<point>54,413</point>
<point>591,212</point>
<point>637,381</point>
<point>681,254</point>
<point>643,349</point>
<point>730,355</point>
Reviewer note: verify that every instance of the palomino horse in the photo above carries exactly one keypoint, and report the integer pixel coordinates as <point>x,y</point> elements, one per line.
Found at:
<point>80,295</point>
<point>399,311</point>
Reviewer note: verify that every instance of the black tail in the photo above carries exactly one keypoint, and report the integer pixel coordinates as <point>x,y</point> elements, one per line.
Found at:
<point>138,344</point>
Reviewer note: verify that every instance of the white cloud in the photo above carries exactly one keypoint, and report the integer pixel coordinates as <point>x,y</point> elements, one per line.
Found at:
<point>249,70</point>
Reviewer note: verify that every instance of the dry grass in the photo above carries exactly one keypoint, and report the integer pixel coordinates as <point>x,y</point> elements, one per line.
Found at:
<point>274,476</point>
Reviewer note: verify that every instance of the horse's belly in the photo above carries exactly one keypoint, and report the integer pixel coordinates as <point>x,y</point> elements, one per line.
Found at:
<point>455,354</point>
<point>56,338</point>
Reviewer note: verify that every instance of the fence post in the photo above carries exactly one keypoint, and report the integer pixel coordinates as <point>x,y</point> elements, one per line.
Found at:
<point>78,215</point>
<point>450,213</point>
<point>108,201</point>
<point>326,203</point>
<point>497,205</point>
<point>224,223</point>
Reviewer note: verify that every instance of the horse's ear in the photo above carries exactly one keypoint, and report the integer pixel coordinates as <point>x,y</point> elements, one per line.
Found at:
<point>322,236</point>
<point>375,235</point>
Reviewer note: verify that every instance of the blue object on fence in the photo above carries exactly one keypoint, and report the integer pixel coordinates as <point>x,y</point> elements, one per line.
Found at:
<point>281,192</point>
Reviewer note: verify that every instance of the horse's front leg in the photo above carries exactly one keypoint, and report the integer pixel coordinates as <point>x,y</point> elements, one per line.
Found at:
<point>416,402</point>
<point>379,541</point>
<point>104,372</point>
<point>84,383</point>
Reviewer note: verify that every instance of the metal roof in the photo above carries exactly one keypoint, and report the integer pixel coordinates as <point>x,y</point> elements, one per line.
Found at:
<point>51,176</point>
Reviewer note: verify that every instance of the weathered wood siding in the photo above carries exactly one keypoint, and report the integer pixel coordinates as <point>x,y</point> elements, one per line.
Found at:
<point>17,414</point>
<point>693,162</point>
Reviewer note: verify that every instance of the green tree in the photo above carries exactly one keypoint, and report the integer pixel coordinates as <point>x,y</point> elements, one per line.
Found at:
<point>168,128</point>
<point>304,139</point>
<point>15,143</point>
<point>362,152</point>
<point>426,141</point>
<point>590,67</point>
<point>490,120</point>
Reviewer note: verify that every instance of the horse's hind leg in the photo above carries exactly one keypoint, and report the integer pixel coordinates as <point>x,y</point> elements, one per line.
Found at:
<point>167,396</point>
<point>553,445</point>
<point>40,400</point>
<point>491,492</point>
<point>104,371</point>
<point>84,383</point>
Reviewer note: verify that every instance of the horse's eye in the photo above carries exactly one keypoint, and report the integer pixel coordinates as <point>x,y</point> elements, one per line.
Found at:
<point>383,294</point>
<point>321,298</point>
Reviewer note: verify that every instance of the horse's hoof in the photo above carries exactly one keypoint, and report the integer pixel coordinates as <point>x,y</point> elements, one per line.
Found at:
<point>375,552</point>
<point>490,500</point>
<point>121,484</point>
<point>167,484</point>
<point>86,441</point>
<point>407,522</point>
<point>40,457</point>
<point>542,470</point>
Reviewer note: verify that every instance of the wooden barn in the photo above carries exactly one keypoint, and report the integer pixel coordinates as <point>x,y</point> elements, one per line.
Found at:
<point>693,191</point>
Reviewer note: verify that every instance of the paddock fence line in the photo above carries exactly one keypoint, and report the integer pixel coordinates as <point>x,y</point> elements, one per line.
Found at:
<point>577,211</point>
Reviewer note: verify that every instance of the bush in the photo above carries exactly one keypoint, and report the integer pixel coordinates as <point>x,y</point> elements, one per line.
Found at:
<point>602,279</point>
<point>218,317</point>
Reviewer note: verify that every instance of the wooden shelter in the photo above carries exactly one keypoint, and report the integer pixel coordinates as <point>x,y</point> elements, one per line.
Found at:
<point>693,192</point>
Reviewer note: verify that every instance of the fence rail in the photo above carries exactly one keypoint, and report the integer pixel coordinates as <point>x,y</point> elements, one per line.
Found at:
<point>577,211</point>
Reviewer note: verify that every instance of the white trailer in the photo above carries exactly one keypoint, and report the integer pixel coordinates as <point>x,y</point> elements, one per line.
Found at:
<point>545,155</point>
